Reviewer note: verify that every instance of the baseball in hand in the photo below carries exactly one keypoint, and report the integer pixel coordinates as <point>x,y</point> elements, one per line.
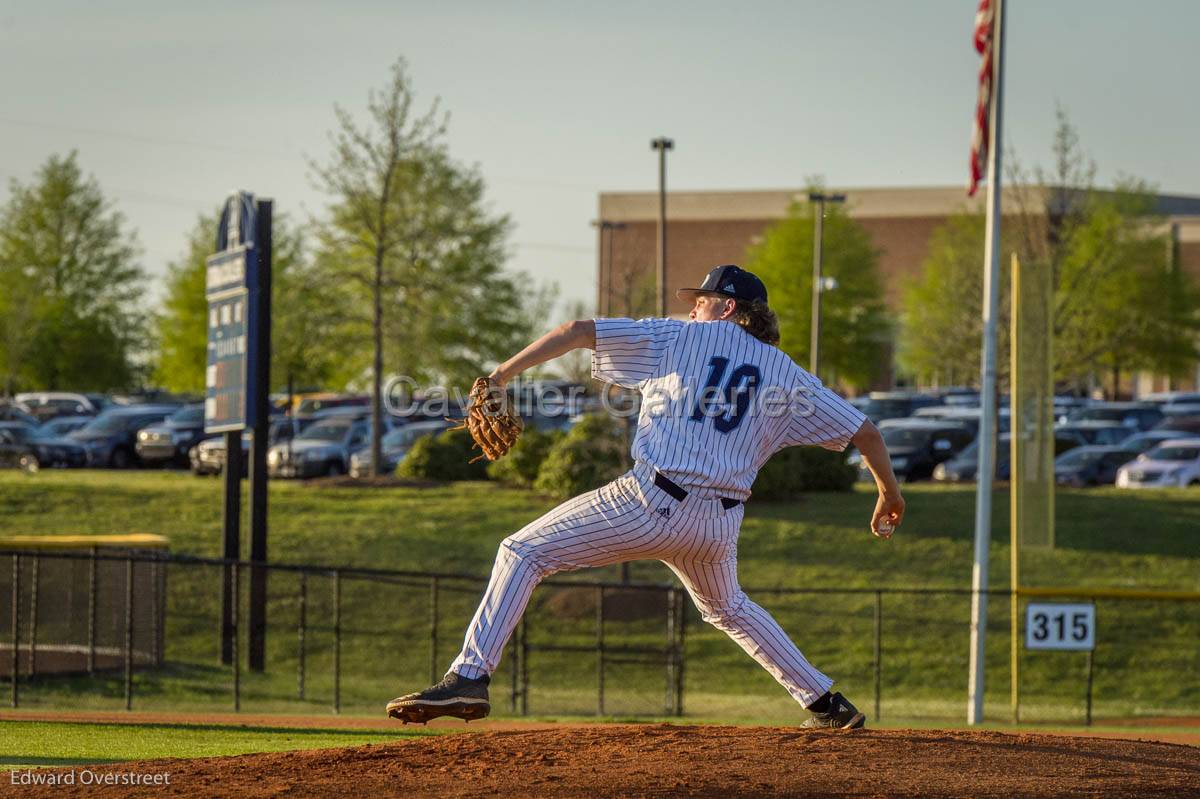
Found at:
<point>885,528</point>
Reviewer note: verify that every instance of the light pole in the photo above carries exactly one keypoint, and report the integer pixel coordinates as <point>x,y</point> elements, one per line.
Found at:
<point>814,345</point>
<point>662,144</point>
<point>607,254</point>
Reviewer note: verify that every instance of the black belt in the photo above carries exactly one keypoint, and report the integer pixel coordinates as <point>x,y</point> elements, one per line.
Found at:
<point>665,483</point>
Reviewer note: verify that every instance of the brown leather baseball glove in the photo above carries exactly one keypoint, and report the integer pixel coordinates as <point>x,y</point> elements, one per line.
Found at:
<point>490,420</point>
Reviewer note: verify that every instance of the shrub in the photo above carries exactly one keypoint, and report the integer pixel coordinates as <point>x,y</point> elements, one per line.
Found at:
<point>797,469</point>
<point>592,454</point>
<point>521,465</point>
<point>443,457</point>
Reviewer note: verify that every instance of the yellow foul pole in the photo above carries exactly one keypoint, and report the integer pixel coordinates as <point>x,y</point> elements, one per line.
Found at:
<point>1014,483</point>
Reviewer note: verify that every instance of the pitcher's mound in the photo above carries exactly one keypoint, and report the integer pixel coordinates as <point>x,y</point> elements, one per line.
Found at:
<point>657,760</point>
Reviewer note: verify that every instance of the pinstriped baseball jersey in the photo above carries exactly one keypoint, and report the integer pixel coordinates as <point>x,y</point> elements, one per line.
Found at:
<point>716,402</point>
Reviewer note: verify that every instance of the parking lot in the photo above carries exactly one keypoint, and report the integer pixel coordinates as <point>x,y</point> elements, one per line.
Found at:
<point>320,434</point>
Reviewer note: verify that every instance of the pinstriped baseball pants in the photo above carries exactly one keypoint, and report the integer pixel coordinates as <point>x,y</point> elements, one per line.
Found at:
<point>632,519</point>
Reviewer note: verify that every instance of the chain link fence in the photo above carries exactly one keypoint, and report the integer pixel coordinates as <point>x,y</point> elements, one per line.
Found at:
<point>89,630</point>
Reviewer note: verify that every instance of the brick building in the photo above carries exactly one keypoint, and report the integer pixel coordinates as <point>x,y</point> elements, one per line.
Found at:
<point>715,227</point>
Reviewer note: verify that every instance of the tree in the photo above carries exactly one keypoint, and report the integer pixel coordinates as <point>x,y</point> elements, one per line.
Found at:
<point>182,326</point>
<point>1120,305</point>
<point>410,240</point>
<point>303,314</point>
<point>576,366</point>
<point>855,328</point>
<point>1118,302</point>
<point>69,285</point>
<point>940,323</point>
<point>636,292</point>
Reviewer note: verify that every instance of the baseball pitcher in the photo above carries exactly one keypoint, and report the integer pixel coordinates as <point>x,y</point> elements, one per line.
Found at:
<point>718,399</point>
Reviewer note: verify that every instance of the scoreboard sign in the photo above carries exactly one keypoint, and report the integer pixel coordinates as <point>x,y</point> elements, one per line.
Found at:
<point>1059,625</point>
<point>230,287</point>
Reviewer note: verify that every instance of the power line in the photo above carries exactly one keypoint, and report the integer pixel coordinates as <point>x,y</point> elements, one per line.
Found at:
<point>142,138</point>
<point>537,245</point>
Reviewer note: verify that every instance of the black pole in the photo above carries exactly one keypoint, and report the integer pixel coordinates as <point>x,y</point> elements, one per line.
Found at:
<point>337,641</point>
<point>260,417</point>
<point>433,629</point>
<point>524,628</point>
<point>814,344</point>
<point>599,650</point>
<point>233,545</point>
<point>1090,660</point>
<point>670,703</point>
<point>607,309</point>
<point>662,144</point>
<point>680,648</point>
<point>34,579</point>
<point>129,634</point>
<point>300,634</point>
<point>237,660</point>
<point>878,649</point>
<point>16,626</point>
<point>91,653</point>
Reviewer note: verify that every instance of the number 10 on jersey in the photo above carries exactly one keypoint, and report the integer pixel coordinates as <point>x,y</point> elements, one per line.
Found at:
<point>1058,625</point>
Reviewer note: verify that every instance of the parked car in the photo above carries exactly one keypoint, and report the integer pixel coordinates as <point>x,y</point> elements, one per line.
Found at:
<point>1091,465</point>
<point>12,412</point>
<point>1141,442</point>
<point>110,438</point>
<point>323,449</point>
<point>1135,415</point>
<point>1094,432</point>
<point>49,404</point>
<point>171,440</point>
<point>562,422</point>
<point>1171,397</point>
<point>882,405</point>
<point>395,445</point>
<point>963,415</point>
<point>917,446</point>
<point>961,397</point>
<point>964,466</point>
<point>20,446</point>
<point>208,457</point>
<point>62,425</point>
<point>1178,409</point>
<point>309,404</point>
<point>1175,462</point>
<point>1187,424</point>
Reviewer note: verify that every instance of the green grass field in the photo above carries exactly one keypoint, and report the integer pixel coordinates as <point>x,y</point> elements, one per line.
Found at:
<point>1146,664</point>
<point>37,743</point>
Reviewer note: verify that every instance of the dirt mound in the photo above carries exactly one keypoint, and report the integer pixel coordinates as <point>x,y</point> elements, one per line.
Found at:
<point>662,760</point>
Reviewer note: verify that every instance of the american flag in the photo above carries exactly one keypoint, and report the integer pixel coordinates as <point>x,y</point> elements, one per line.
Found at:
<point>979,138</point>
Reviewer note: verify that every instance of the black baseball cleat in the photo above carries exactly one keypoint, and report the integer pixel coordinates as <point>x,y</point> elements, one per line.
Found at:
<point>457,696</point>
<point>841,715</point>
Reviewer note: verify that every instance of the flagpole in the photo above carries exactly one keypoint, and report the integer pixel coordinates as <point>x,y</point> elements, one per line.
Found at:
<point>987,420</point>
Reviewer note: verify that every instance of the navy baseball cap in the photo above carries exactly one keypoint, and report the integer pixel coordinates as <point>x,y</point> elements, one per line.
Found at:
<point>729,281</point>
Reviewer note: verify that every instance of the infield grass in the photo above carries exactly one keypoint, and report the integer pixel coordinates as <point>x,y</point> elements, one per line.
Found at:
<point>1147,662</point>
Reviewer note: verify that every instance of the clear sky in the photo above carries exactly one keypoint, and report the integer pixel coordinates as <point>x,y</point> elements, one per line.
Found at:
<point>172,104</point>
